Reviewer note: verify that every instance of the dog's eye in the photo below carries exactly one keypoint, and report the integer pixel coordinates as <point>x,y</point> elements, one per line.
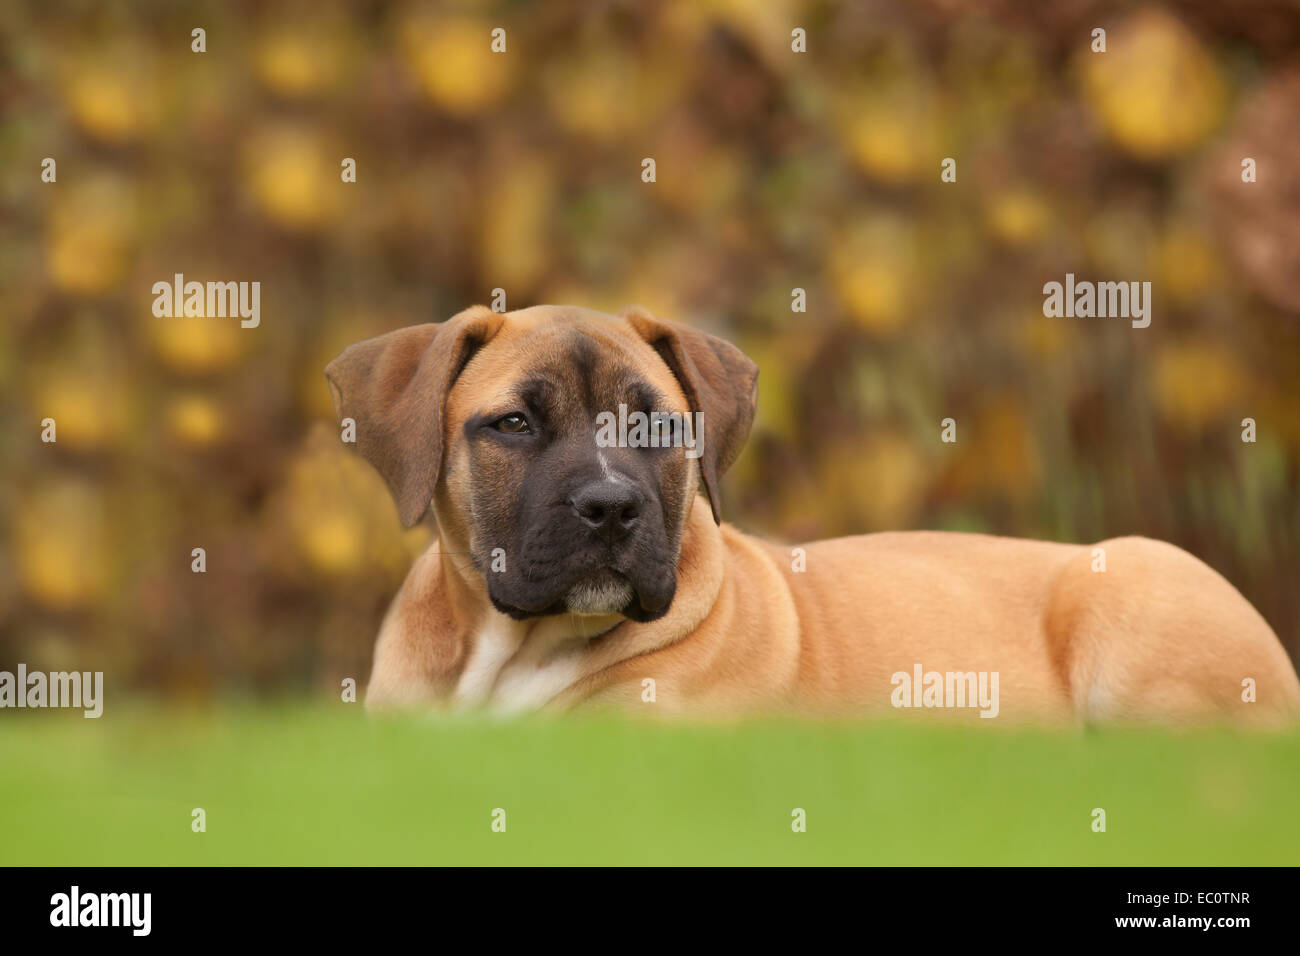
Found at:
<point>514,424</point>
<point>663,429</point>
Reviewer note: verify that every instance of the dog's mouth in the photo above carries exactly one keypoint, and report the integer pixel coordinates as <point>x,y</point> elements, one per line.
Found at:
<point>602,591</point>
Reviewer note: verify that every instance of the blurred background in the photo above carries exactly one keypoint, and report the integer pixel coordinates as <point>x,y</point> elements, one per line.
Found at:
<point>775,171</point>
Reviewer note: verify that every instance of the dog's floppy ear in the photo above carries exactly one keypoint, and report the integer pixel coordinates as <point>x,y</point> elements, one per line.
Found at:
<point>395,387</point>
<point>719,381</point>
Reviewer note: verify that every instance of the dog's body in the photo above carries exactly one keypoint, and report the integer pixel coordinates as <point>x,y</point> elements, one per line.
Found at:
<point>569,571</point>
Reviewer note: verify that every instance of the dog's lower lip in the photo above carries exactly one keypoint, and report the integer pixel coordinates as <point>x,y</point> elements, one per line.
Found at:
<point>602,591</point>
<point>521,613</point>
<point>603,575</point>
<point>652,608</point>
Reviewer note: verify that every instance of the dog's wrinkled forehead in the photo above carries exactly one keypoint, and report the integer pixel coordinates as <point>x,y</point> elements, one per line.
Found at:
<point>563,364</point>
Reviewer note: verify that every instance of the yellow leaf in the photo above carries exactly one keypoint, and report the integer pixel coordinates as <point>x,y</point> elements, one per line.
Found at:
<point>1196,383</point>
<point>452,59</point>
<point>63,545</point>
<point>1157,90</point>
<point>91,228</point>
<point>294,177</point>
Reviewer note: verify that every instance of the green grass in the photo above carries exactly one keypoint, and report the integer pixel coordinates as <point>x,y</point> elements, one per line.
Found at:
<point>298,785</point>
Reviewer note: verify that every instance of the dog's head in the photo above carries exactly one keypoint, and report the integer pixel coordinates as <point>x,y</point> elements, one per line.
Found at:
<point>562,448</point>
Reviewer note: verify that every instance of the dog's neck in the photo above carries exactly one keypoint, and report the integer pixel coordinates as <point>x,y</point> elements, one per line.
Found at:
<point>514,666</point>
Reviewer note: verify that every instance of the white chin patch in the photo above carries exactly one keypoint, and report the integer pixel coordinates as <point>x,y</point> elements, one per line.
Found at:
<point>603,595</point>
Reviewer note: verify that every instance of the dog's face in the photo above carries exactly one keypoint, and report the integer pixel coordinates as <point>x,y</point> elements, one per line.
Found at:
<point>561,448</point>
<point>574,524</point>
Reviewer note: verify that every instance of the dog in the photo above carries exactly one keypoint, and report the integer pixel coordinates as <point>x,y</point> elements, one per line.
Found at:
<point>569,570</point>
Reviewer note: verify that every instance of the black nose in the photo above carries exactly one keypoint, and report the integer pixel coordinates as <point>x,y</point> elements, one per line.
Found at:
<point>612,507</point>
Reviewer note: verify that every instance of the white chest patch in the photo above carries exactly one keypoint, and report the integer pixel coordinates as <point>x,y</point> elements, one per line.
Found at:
<point>519,666</point>
<point>494,645</point>
<point>526,684</point>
